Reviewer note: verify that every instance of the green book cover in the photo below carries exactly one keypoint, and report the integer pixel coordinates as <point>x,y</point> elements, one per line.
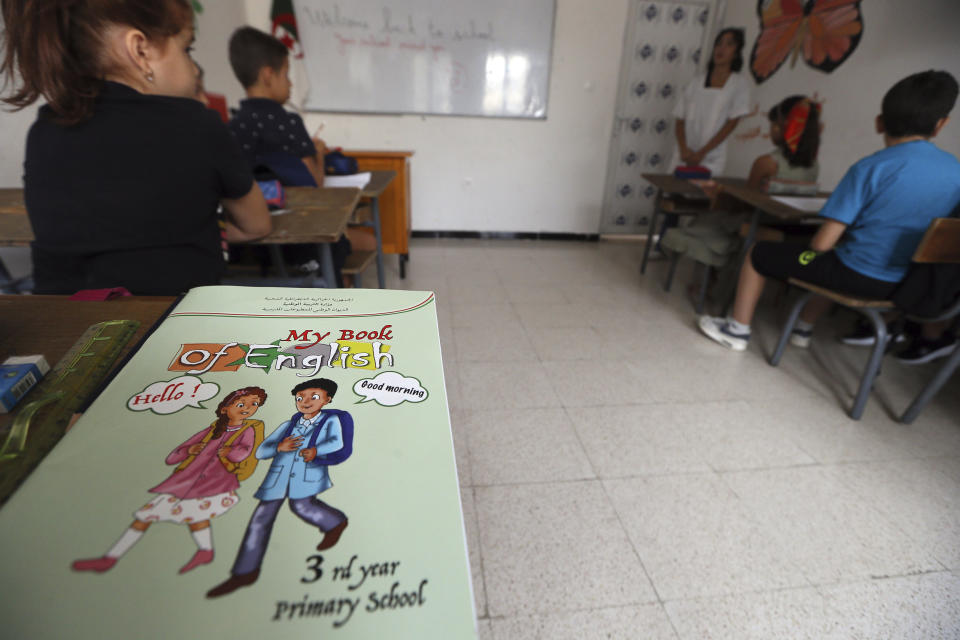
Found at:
<point>272,463</point>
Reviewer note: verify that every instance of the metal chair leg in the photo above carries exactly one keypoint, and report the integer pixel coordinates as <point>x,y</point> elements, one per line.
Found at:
<point>653,227</point>
<point>946,370</point>
<point>702,297</point>
<point>873,365</point>
<point>788,327</point>
<point>674,259</point>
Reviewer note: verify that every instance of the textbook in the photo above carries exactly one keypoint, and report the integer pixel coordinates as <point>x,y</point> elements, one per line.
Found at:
<point>271,463</point>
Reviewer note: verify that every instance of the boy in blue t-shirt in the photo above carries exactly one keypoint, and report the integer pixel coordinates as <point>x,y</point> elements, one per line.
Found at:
<point>881,209</point>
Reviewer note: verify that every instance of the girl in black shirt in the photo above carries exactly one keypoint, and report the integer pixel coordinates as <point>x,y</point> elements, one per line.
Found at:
<point>124,169</point>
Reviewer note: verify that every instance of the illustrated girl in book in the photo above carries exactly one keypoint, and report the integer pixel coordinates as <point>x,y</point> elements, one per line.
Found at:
<point>210,466</point>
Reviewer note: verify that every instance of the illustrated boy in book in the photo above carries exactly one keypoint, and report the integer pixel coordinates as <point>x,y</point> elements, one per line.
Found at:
<point>210,466</point>
<point>301,449</point>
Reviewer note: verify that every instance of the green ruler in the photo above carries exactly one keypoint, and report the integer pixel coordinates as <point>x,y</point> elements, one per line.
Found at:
<point>42,421</point>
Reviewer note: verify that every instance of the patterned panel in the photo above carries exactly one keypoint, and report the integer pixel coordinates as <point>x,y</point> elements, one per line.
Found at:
<point>662,54</point>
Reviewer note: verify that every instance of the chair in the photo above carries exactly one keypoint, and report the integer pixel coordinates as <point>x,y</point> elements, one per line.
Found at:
<point>940,245</point>
<point>668,205</point>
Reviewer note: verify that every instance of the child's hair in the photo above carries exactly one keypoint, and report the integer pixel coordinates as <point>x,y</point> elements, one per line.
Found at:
<point>251,50</point>
<point>913,106</point>
<point>56,47</point>
<point>317,383</point>
<point>222,419</point>
<point>737,63</point>
<point>803,151</point>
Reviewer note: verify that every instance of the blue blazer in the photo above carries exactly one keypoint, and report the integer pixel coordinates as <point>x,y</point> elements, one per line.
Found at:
<point>289,476</point>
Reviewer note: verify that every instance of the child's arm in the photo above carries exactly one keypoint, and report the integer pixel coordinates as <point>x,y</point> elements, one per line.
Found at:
<point>180,454</point>
<point>697,156</point>
<point>764,168</point>
<point>827,235</point>
<point>247,216</point>
<point>268,448</point>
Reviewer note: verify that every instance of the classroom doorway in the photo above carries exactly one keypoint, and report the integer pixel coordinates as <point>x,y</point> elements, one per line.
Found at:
<point>663,47</point>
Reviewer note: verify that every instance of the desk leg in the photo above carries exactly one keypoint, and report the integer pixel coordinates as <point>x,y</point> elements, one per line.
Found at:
<point>404,258</point>
<point>327,273</point>
<point>375,207</point>
<point>650,231</point>
<point>276,257</point>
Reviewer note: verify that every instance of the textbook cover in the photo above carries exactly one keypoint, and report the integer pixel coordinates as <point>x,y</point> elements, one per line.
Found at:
<point>272,463</point>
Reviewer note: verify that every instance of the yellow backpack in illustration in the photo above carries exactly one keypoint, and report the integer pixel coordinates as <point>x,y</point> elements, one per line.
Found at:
<point>243,469</point>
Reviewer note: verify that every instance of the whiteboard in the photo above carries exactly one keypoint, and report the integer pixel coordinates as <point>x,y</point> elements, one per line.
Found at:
<point>451,57</point>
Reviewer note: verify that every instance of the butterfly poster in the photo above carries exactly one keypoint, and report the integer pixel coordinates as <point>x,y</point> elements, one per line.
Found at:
<point>823,32</point>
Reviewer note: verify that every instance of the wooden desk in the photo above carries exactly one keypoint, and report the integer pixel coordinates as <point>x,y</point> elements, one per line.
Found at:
<point>316,216</point>
<point>764,202</point>
<point>50,325</point>
<point>11,201</point>
<point>675,196</point>
<point>15,230</point>
<point>394,201</point>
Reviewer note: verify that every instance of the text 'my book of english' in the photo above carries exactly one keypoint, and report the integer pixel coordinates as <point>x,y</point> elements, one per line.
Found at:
<point>273,463</point>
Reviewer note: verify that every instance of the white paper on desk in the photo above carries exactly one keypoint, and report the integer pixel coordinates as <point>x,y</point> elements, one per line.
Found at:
<point>358,180</point>
<point>810,205</point>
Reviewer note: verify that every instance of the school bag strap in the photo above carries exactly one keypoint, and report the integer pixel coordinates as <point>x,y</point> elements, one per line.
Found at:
<point>190,458</point>
<point>242,468</point>
<point>346,432</point>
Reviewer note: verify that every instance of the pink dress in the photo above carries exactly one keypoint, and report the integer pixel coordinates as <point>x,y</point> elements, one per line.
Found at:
<point>205,489</point>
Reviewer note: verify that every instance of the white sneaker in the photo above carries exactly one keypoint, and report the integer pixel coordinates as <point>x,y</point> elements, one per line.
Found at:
<point>800,338</point>
<point>718,330</point>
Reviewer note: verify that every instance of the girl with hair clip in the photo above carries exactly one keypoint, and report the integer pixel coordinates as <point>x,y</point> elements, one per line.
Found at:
<point>210,465</point>
<point>708,110</point>
<point>124,169</point>
<point>792,167</point>
<point>795,129</point>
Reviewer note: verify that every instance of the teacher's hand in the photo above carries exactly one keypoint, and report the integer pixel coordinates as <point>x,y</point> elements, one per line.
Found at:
<point>696,158</point>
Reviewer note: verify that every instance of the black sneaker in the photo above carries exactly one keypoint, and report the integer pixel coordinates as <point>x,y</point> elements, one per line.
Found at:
<point>922,350</point>
<point>863,335</point>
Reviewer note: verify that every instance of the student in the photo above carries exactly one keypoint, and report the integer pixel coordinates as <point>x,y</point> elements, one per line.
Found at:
<point>274,138</point>
<point>204,484</point>
<point>124,169</point>
<point>795,129</point>
<point>882,207</point>
<point>791,167</point>
<point>298,448</point>
<point>708,110</point>
<point>261,63</point>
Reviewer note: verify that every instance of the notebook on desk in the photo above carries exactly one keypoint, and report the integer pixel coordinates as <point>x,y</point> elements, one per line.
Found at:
<point>144,508</point>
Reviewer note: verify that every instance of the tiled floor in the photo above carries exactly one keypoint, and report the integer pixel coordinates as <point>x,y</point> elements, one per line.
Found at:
<point>623,477</point>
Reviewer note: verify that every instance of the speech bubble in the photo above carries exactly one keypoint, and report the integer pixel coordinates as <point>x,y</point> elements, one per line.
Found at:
<point>169,397</point>
<point>390,389</point>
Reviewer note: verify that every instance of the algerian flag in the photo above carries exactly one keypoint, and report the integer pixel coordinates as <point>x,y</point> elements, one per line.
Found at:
<point>283,23</point>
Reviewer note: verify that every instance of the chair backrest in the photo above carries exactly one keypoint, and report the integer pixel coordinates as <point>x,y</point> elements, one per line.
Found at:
<point>941,243</point>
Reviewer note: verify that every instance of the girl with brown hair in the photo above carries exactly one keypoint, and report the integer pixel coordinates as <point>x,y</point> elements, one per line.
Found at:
<point>124,170</point>
<point>210,465</point>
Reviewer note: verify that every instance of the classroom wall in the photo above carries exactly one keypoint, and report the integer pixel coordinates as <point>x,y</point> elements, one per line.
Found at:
<point>486,174</point>
<point>899,38</point>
